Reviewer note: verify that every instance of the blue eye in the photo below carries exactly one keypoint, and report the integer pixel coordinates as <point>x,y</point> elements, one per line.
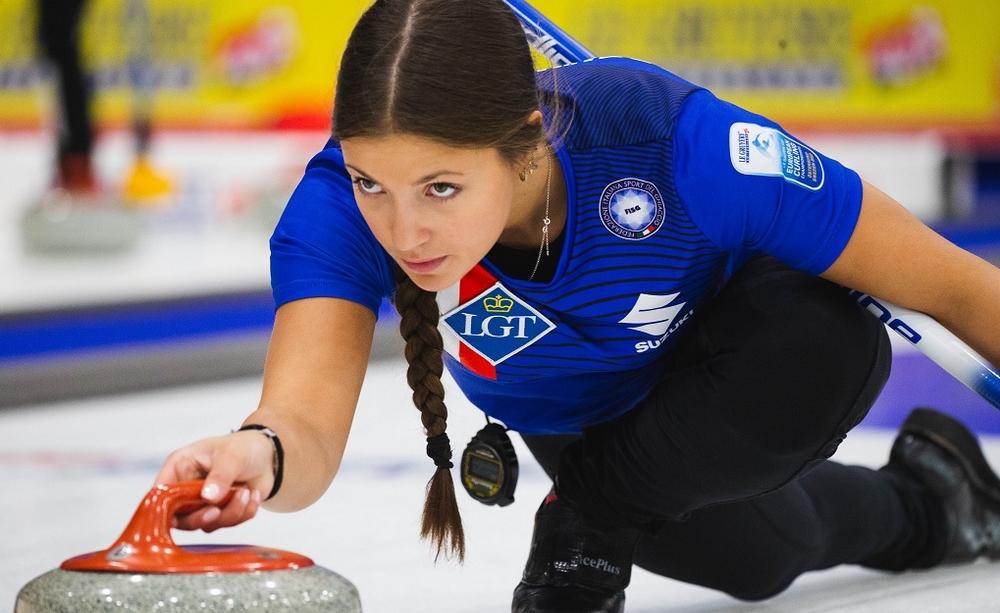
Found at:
<point>443,190</point>
<point>367,186</point>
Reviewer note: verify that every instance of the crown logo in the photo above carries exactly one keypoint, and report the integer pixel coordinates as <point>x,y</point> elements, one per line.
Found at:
<point>498,304</point>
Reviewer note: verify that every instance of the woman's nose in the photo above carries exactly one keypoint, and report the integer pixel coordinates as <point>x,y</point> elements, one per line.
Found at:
<point>408,230</point>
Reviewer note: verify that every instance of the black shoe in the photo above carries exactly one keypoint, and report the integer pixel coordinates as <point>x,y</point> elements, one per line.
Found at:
<point>574,565</point>
<point>945,456</point>
<point>571,599</point>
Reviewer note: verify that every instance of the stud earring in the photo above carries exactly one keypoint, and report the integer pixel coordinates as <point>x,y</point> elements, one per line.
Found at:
<point>528,170</point>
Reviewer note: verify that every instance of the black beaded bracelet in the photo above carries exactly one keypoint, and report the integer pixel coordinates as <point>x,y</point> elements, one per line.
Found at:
<point>279,455</point>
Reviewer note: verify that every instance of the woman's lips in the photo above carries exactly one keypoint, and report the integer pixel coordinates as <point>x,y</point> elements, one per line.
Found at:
<point>424,266</point>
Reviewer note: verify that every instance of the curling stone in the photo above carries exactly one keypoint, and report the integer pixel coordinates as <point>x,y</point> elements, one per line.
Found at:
<point>144,570</point>
<point>65,223</point>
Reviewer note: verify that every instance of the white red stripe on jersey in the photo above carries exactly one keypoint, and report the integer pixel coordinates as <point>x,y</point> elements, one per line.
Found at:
<point>475,282</point>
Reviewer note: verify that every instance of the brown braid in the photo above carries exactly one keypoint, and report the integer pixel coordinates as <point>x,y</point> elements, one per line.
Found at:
<point>418,308</point>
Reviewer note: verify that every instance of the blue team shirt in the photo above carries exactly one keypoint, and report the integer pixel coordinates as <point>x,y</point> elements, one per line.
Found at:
<point>669,189</point>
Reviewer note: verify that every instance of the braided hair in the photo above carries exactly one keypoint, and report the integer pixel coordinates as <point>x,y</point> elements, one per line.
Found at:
<point>418,309</point>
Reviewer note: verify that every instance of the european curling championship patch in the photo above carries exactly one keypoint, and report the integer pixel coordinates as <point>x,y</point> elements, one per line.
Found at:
<point>496,324</point>
<point>767,152</point>
<point>632,209</point>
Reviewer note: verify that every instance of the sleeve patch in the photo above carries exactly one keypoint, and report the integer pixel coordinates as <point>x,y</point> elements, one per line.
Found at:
<point>768,152</point>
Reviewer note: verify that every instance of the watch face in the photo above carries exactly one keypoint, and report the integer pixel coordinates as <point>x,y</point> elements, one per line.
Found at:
<point>484,469</point>
<point>489,468</point>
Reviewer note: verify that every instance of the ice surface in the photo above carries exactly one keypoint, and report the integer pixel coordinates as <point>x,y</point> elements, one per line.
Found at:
<point>71,475</point>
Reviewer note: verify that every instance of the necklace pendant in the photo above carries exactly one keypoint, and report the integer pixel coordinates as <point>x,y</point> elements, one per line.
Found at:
<point>544,246</point>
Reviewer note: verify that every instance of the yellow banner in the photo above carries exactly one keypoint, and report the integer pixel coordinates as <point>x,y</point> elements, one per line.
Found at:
<point>247,64</point>
<point>263,63</point>
<point>818,61</point>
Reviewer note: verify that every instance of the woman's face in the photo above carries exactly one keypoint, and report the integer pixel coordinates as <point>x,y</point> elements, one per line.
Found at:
<point>437,210</point>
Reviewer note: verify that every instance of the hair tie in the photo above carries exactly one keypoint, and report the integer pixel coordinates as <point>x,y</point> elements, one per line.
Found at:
<point>439,450</point>
<point>278,459</point>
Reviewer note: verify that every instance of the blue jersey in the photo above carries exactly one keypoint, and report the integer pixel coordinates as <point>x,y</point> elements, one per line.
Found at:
<point>668,188</point>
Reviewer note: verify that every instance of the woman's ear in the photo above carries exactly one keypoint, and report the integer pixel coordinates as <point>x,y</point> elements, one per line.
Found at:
<point>534,120</point>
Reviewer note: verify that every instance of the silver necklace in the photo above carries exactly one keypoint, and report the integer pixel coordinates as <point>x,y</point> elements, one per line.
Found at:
<point>545,221</point>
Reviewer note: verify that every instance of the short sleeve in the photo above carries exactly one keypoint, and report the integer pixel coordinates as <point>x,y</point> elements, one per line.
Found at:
<point>751,186</point>
<point>322,247</point>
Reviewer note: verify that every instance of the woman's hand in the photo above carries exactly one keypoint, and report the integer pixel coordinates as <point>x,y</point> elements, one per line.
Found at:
<point>241,457</point>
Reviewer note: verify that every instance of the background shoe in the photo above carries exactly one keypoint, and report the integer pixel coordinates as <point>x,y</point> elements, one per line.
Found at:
<point>945,456</point>
<point>146,185</point>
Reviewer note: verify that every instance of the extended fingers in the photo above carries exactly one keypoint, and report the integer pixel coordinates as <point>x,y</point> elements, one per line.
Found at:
<point>241,507</point>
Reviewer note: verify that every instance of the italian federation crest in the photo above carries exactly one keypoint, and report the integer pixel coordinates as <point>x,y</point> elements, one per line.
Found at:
<point>632,209</point>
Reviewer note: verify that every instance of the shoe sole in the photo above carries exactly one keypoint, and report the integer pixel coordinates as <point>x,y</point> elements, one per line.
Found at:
<point>958,441</point>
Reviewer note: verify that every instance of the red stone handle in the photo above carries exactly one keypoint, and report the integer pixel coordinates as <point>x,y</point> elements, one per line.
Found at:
<point>146,545</point>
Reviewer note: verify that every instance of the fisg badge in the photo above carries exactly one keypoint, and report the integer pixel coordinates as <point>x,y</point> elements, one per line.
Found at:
<point>632,209</point>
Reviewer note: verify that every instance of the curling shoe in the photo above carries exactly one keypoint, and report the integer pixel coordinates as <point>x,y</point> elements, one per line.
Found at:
<point>573,565</point>
<point>945,456</point>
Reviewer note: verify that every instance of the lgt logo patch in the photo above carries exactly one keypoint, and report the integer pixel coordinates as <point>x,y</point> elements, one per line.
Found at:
<point>497,324</point>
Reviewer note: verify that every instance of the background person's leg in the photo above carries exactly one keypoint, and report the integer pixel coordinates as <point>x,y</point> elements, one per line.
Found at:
<point>59,40</point>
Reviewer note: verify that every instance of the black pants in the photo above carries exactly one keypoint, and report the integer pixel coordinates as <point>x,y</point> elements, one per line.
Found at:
<point>59,40</point>
<point>724,465</point>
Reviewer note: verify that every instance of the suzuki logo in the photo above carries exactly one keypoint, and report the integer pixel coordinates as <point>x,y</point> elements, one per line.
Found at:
<point>653,314</point>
